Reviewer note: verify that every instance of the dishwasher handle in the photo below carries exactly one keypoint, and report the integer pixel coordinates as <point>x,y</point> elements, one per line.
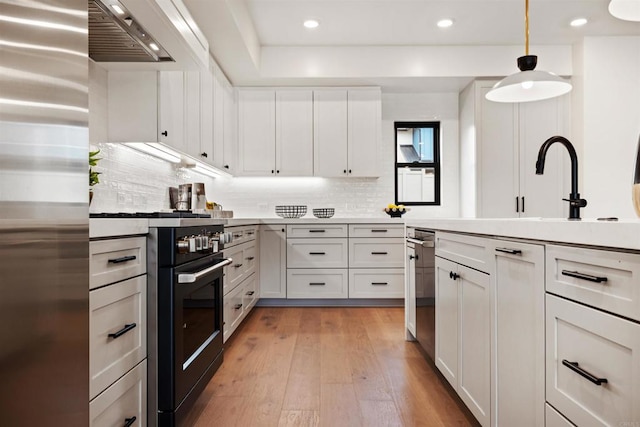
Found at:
<point>423,243</point>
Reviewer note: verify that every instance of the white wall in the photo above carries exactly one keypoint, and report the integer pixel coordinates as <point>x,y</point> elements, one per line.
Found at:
<point>133,181</point>
<point>610,80</point>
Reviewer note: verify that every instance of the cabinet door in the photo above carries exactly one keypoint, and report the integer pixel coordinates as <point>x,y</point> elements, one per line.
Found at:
<point>294,132</point>
<point>207,148</point>
<point>192,113</point>
<point>447,321</point>
<point>230,128</point>
<point>273,256</point>
<point>218,118</point>
<point>543,193</point>
<point>172,104</point>
<point>132,105</point>
<point>257,132</point>
<point>330,132</point>
<point>497,157</point>
<point>410,291</point>
<point>364,132</point>
<point>474,323</point>
<point>518,345</point>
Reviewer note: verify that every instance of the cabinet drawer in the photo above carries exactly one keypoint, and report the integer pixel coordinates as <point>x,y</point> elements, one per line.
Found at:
<point>603,345</point>
<point>553,418</point>
<point>379,283</point>
<point>316,253</point>
<point>373,253</point>
<point>604,279</point>
<point>241,234</point>
<point>244,263</point>
<point>250,293</point>
<point>125,399</point>
<point>317,283</point>
<point>466,250</point>
<point>113,310</point>
<point>232,311</point>
<point>325,230</point>
<point>116,259</point>
<point>376,230</point>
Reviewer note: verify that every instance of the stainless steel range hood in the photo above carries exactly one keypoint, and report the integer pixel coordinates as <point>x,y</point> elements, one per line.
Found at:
<point>118,37</point>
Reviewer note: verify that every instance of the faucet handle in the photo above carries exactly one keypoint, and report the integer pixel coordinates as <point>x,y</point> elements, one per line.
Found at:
<point>576,203</point>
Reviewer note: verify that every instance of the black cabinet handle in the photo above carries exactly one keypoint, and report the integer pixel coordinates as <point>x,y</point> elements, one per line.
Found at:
<point>379,231</point>
<point>317,253</point>
<point>122,259</point>
<point>379,253</point>
<point>122,331</point>
<point>316,231</point>
<point>349,170</point>
<point>413,257</point>
<point>379,283</point>
<point>250,293</point>
<point>237,306</point>
<point>237,265</point>
<point>226,166</point>
<point>316,284</point>
<point>204,155</point>
<point>250,258</point>
<point>128,422</point>
<point>453,275</point>
<point>509,251</point>
<point>277,171</point>
<point>517,204</point>
<point>523,204</point>
<point>583,276</point>
<point>165,133</point>
<point>575,367</point>
<point>273,171</point>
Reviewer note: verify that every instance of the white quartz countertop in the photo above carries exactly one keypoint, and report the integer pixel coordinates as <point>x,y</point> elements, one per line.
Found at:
<point>313,220</point>
<point>623,234</point>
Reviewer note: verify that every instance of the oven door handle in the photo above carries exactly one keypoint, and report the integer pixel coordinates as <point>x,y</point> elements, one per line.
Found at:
<point>424,243</point>
<point>192,277</point>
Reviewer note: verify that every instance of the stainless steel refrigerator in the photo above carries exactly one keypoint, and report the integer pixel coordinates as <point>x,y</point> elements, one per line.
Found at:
<point>44,239</point>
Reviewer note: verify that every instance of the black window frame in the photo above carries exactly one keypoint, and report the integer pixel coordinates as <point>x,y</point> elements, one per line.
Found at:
<point>435,165</point>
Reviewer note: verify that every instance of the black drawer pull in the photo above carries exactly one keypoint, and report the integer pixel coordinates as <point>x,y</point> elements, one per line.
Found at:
<point>379,283</point>
<point>509,251</point>
<point>251,233</point>
<point>128,422</point>
<point>578,370</point>
<point>379,231</point>
<point>583,276</point>
<point>122,331</point>
<point>250,293</point>
<point>317,284</point>
<point>250,258</point>
<point>317,253</point>
<point>379,253</point>
<point>122,259</point>
<point>316,231</point>
<point>237,306</point>
<point>237,265</point>
<point>453,275</point>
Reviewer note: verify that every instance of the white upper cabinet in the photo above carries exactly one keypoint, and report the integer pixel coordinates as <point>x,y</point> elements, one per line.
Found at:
<point>132,106</point>
<point>294,132</point>
<point>171,109</point>
<point>330,132</point>
<point>192,114</point>
<point>206,151</point>
<point>347,132</point>
<point>364,131</point>
<point>257,135</point>
<point>229,127</point>
<point>504,140</point>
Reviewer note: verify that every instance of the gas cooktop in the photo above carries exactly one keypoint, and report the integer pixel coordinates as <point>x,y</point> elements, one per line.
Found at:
<point>174,214</point>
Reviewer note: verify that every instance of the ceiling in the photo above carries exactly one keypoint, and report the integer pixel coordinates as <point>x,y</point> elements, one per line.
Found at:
<point>245,36</point>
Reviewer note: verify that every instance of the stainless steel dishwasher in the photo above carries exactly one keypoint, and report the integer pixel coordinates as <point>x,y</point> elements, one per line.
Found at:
<point>421,245</point>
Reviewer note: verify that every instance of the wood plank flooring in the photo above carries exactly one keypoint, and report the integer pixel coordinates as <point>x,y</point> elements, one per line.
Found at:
<point>325,367</point>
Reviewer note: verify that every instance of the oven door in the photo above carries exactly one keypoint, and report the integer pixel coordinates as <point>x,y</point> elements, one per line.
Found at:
<point>192,339</point>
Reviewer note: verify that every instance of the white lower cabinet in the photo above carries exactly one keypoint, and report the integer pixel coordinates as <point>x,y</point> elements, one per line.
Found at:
<point>317,253</point>
<point>593,365</point>
<point>232,311</point>
<point>124,403</point>
<point>317,283</point>
<point>518,334</point>
<point>379,283</point>
<point>273,261</point>
<point>463,334</point>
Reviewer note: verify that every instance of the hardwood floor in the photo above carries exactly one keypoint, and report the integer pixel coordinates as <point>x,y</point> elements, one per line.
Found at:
<point>325,367</point>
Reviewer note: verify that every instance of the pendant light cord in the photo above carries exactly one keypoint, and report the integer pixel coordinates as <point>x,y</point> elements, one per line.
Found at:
<point>526,26</point>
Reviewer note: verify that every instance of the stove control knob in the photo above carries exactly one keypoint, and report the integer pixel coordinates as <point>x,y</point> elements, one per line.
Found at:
<point>205,243</point>
<point>183,246</point>
<point>192,244</point>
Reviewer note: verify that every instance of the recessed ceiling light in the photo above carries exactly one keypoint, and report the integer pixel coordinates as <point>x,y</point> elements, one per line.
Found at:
<point>578,22</point>
<point>311,23</point>
<point>445,23</point>
<point>154,46</point>
<point>118,9</point>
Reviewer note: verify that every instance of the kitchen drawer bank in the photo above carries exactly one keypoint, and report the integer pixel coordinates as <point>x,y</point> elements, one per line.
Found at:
<point>332,262</point>
<point>568,312</point>
<point>117,322</point>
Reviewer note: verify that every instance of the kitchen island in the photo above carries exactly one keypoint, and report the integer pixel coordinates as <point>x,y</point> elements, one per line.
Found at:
<point>538,320</point>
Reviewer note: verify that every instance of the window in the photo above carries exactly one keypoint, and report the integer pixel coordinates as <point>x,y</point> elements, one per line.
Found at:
<point>417,163</point>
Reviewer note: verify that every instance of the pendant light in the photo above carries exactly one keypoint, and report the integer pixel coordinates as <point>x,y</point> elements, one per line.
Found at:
<point>529,84</point>
<point>629,10</point>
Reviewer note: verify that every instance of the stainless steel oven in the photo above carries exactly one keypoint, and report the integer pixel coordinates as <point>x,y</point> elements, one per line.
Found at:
<point>422,245</point>
<point>185,317</point>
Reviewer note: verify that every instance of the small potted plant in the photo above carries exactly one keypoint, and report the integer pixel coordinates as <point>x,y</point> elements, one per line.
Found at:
<point>93,175</point>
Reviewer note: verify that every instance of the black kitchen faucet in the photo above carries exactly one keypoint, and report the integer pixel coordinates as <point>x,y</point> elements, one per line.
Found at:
<point>575,202</point>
